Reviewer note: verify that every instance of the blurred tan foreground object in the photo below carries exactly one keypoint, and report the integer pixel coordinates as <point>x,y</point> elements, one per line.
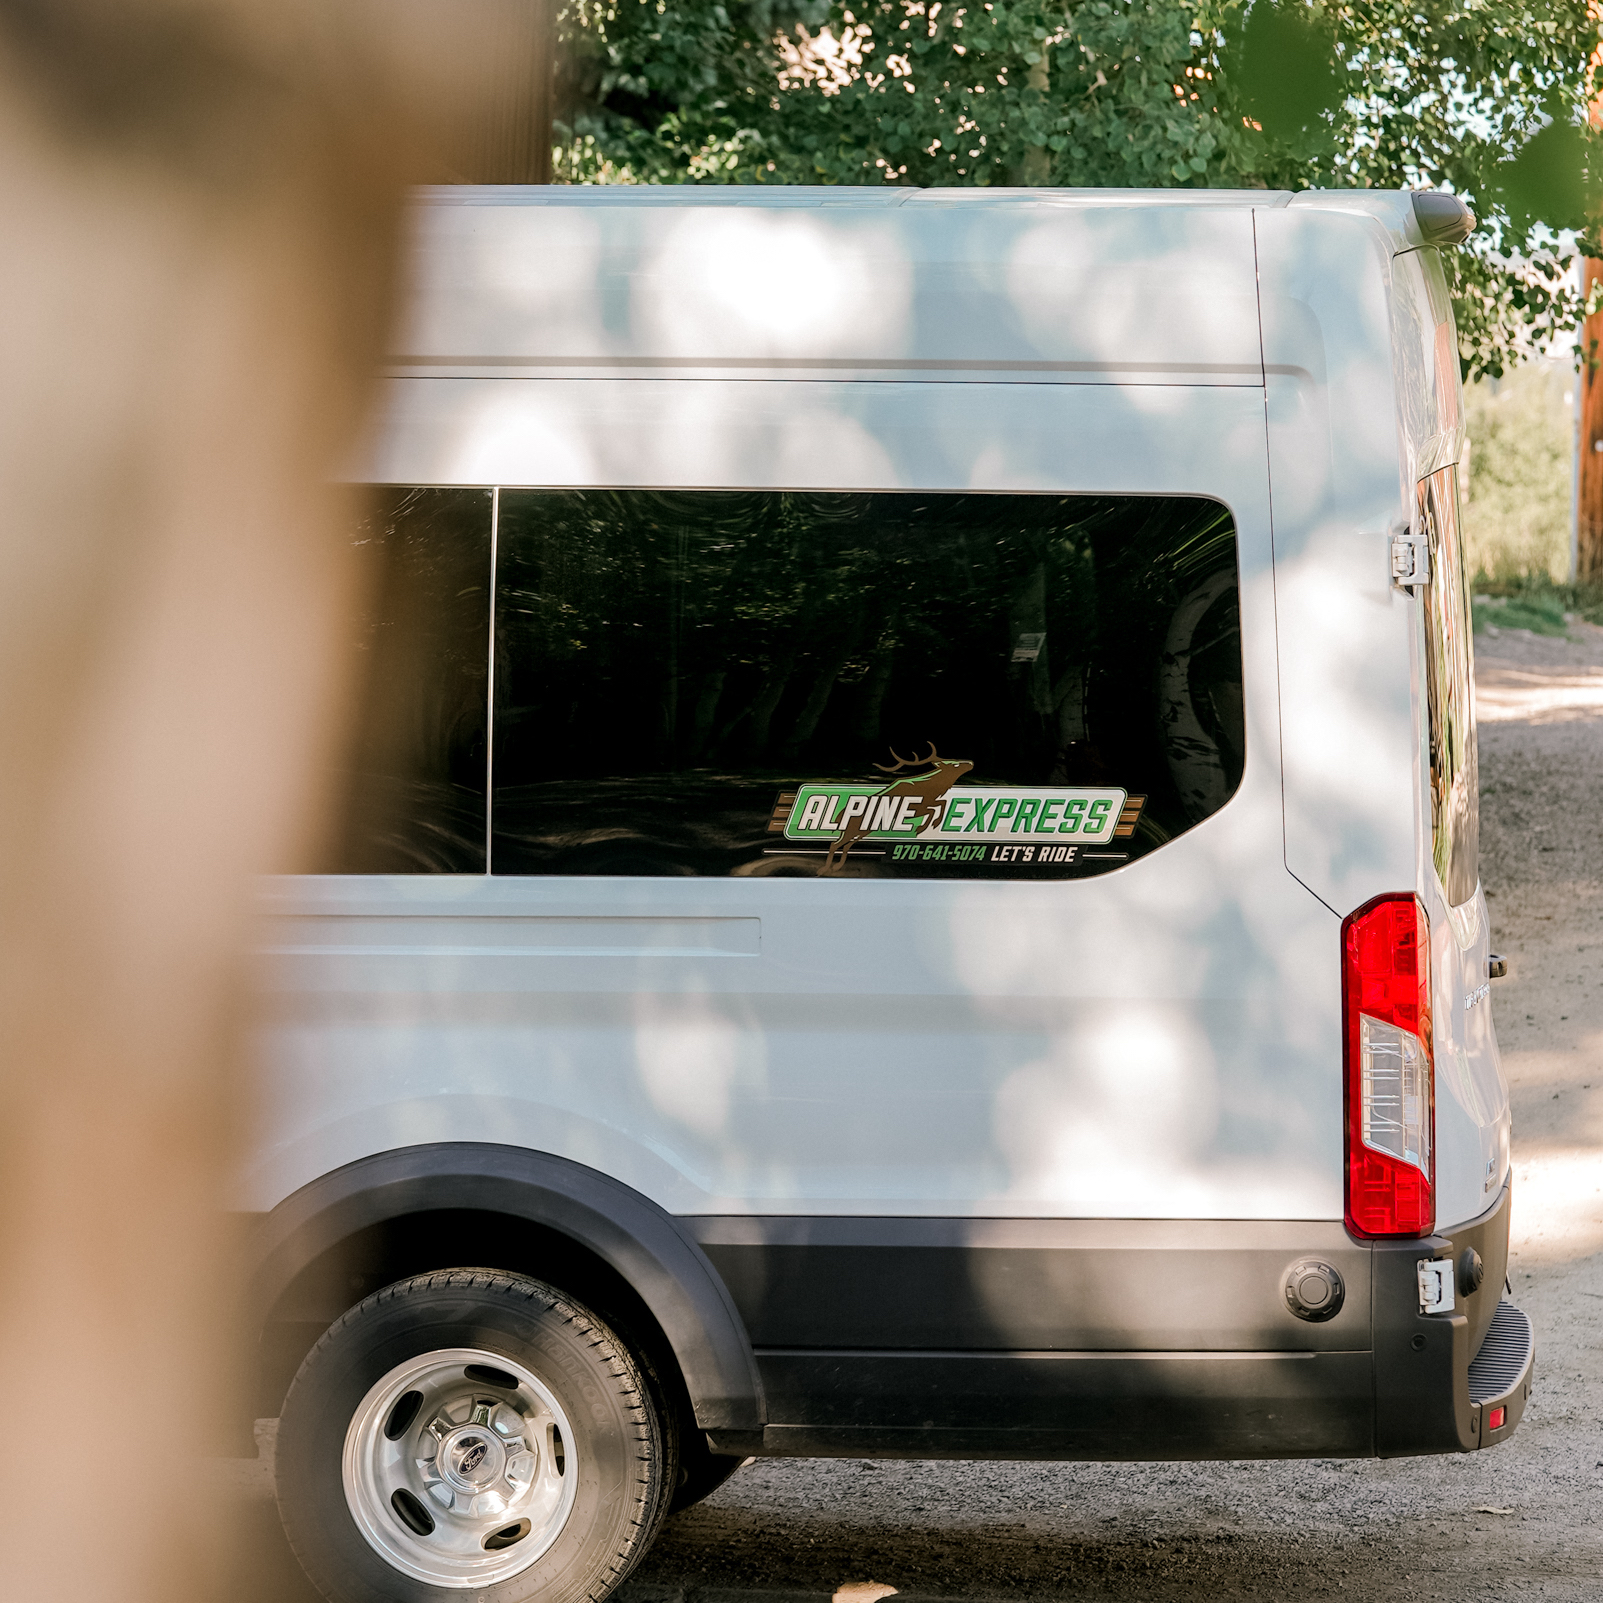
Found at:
<point>201,203</point>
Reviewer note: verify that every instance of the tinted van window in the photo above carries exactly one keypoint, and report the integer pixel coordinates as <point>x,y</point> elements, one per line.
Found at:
<point>866,684</point>
<point>416,792</point>
<point>1449,676</point>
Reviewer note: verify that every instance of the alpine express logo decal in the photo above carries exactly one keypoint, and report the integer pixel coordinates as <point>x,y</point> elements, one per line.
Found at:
<point>928,817</point>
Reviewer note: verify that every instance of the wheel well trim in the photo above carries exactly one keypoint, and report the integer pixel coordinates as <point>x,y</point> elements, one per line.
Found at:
<point>632,1235</point>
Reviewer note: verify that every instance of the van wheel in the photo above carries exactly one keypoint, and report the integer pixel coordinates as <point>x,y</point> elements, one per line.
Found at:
<point>470,1430</point>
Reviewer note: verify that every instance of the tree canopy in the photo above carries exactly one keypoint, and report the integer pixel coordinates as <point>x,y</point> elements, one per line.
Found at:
<point>1487,98</point>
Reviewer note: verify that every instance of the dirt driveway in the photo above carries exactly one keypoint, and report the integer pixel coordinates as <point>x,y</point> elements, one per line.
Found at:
<point>1524,1519</point>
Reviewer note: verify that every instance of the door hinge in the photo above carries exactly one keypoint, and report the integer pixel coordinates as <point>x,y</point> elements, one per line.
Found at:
<point>1410,561</point>
<point>1436,1285</point>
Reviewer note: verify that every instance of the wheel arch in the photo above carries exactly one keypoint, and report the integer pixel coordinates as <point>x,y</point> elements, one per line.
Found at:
<point>383,1217</point>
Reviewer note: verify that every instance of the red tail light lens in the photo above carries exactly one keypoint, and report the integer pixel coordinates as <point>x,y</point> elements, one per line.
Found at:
<point>1391,1074</point>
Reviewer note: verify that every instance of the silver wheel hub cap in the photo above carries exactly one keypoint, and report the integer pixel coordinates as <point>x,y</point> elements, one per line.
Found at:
<point>458,1468</point>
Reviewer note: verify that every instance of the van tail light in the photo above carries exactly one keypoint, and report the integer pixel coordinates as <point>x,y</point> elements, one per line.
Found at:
<point>1390,1070</point>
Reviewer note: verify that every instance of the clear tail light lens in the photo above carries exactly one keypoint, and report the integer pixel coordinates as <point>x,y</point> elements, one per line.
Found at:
<point>1391,1075</point>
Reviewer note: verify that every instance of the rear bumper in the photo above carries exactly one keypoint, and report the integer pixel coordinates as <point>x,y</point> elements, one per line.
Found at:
<point>1380,1378</point>
<point>1440,1377</point>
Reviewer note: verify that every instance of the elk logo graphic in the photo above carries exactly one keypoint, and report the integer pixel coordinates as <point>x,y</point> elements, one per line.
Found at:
<point>888,807</point>
<point>927,817</point>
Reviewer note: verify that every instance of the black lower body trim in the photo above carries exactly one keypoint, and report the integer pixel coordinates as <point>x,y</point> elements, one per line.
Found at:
<point>1103,1405</point>
<point>1104,1339</point>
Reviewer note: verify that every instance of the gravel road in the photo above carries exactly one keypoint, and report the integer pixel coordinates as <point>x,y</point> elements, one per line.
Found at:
<point>1522,1519</point>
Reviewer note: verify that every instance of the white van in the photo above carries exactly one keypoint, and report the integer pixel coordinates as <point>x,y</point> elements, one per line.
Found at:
<point>910,885</point>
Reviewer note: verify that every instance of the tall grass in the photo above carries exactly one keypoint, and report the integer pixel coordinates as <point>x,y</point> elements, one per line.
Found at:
<point>1517,476</point>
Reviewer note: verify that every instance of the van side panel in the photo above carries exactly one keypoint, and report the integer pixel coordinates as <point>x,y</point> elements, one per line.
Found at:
<point>1031,292</point>
<point>847,1047</point>
<point>1337,476</point>
<point>761,434</point>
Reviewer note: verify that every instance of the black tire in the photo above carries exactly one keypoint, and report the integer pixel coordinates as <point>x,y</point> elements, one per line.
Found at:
<point>700,1473</point>
<point>626,1465</point>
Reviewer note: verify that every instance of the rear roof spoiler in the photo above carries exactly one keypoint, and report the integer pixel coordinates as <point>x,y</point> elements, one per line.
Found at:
<point>1443,219</point>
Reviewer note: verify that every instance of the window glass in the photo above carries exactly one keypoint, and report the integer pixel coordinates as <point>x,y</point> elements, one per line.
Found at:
<point>1449,676</point>
<point>893,684</point>
<point>415,793</point>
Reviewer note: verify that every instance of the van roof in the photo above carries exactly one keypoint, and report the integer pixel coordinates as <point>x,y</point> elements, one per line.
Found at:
<point>1128,286</point>
<point>884,197</point>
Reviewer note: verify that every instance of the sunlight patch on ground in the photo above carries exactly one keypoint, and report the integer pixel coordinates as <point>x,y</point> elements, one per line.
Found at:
<point>1558,1205</point>
<point>1505,693</point>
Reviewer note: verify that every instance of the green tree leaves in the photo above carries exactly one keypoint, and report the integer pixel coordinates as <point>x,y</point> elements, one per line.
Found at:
<point>1288,77</point>
<point>1484,97</point>
<point>1551,180</point>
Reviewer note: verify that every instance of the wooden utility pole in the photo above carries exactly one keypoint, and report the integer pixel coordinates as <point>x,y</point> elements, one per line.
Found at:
<point>1589,492</point>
